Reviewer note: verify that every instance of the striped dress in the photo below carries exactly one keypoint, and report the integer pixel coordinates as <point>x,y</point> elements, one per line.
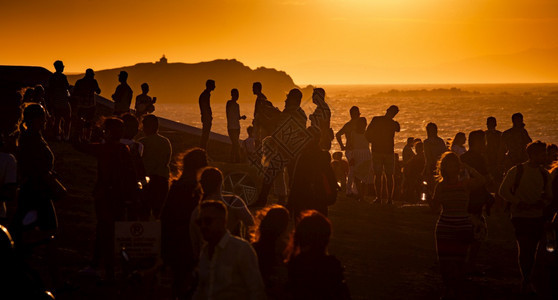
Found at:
<point>454,230</point>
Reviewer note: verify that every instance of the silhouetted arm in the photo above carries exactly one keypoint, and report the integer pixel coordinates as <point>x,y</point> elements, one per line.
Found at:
<point>506,187</point>
<point>339,136</point>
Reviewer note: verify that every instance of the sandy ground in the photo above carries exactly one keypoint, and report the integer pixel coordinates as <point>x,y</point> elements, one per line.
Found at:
<point>388,251</point>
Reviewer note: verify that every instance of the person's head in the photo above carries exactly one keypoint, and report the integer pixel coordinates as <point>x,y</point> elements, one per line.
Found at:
<point>210,85</point>
<point>212,221</point>
<point>517,120</point>
<point>28,95</point>
<point>294,97</point>
<point>360,125</point>
<point>354,112</point>
<point>89,74</point>
<point>318,95</point>
<point>337,155</point>
<point>273,223</point>
<point>59,66</point>
<point>113,129</point>
<point>257,88</point>
<point>419,147</point>
<point>131,126</point>
<point>234,94</point>
<point>250,131</point>
<point>211,180</point>
<point>150,124</point>
<point>459,139</point>
<point>537,152</point>
<point>392,111</point>
<point>552,152</point>
<point>449,166</point>
<point>410,141</point>
<point>431,130</point>
<point>122,76</point>
<point>39,92</point>
<point>145,88</point>
<point>477,141</point>
<point>193,160</point>
<point>34,117</point>
<point>491,123</point>
<point>312,233</point>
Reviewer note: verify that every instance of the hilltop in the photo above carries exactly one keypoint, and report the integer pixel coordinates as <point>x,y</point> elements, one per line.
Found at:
<point>183,82</point>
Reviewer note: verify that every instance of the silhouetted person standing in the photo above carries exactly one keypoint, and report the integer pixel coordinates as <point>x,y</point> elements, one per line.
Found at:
<point>494,154</point>
<point>515,141</point>
<point>321,118</point>
<point>59,101</point>
<point>123,95</point>
<point>205,111</point>
<point>347,130</point>
<point>233,125</point>
<point>85,90</point>
<point>434,147</point>
<point>380,133</point>
<point>264,114</point>
<point>157,152</point>
<point>144,103</point>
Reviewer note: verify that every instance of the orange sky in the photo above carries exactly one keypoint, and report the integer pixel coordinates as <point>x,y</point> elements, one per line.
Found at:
<point>297,36</point>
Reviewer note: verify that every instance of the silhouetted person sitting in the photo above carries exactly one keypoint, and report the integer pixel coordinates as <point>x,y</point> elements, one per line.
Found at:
<point>526,187</point>
<point>123,95</point>
<point>59,101</point>
<point>176,247</point>
<point>271,243</point>
<point>514,142</point>
<point>494,150</point>
<point>157,152</point>
<point>233,125</point>
<point>228,266</point>
<point>380,133</point>
<point>84,91</point>
<point>321,118</point>
<point>116,182</point>
<point>249,144</point>
<point>205,111</point>
<point>144,103</point>
<point>240,218</point>
<point>313,273</point>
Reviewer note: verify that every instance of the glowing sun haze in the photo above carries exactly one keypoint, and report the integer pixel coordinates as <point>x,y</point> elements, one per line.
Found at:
<point>315,41</point>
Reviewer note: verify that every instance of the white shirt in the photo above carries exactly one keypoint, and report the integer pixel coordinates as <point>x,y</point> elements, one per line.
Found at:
<point>232,272</point>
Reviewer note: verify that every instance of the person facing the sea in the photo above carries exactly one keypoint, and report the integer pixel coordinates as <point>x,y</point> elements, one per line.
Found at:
<point>362,159</point>
<point>493,153</point>
<point>408,152</point>
<point>144,103</point>
<point>434,147</point>
<point>58,100</point>
<point>458,144</point>
<point>205,111</point>
<point>264,114</point>
<point>84,91</point>
<point>514,142</point>
<point>122,95</point>
<point>526,186</point>
<point>321,118</point>
<point>454,229</point>
<point>228,265</point>
<point>249,144</point>
<point>157,153</point>
<point>380,133</point>
<point>233,125</point>
<point>347,130</point>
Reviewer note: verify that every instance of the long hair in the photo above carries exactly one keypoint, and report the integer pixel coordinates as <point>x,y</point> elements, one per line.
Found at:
<point>190,162</point>
<point>271,223</point>
<point>311,234</point>
<point>447,158</point>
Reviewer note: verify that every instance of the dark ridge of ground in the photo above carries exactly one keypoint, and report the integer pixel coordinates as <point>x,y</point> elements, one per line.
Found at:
<point>388,251</point>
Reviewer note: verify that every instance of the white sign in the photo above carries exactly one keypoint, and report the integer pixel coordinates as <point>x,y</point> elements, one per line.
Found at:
<point>139,239</point>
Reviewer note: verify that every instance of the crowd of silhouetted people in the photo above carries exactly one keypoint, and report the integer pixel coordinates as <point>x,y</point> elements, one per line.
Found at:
<point>218,246</point>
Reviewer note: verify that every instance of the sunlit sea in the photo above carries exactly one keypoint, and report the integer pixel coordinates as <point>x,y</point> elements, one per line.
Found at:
<point>453,113</point>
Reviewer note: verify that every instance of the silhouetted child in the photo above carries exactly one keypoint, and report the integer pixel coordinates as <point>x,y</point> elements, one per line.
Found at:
<point>249,144</point>
<point>144,103</point>
<point>341,168</point>
<point>233,125</point>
